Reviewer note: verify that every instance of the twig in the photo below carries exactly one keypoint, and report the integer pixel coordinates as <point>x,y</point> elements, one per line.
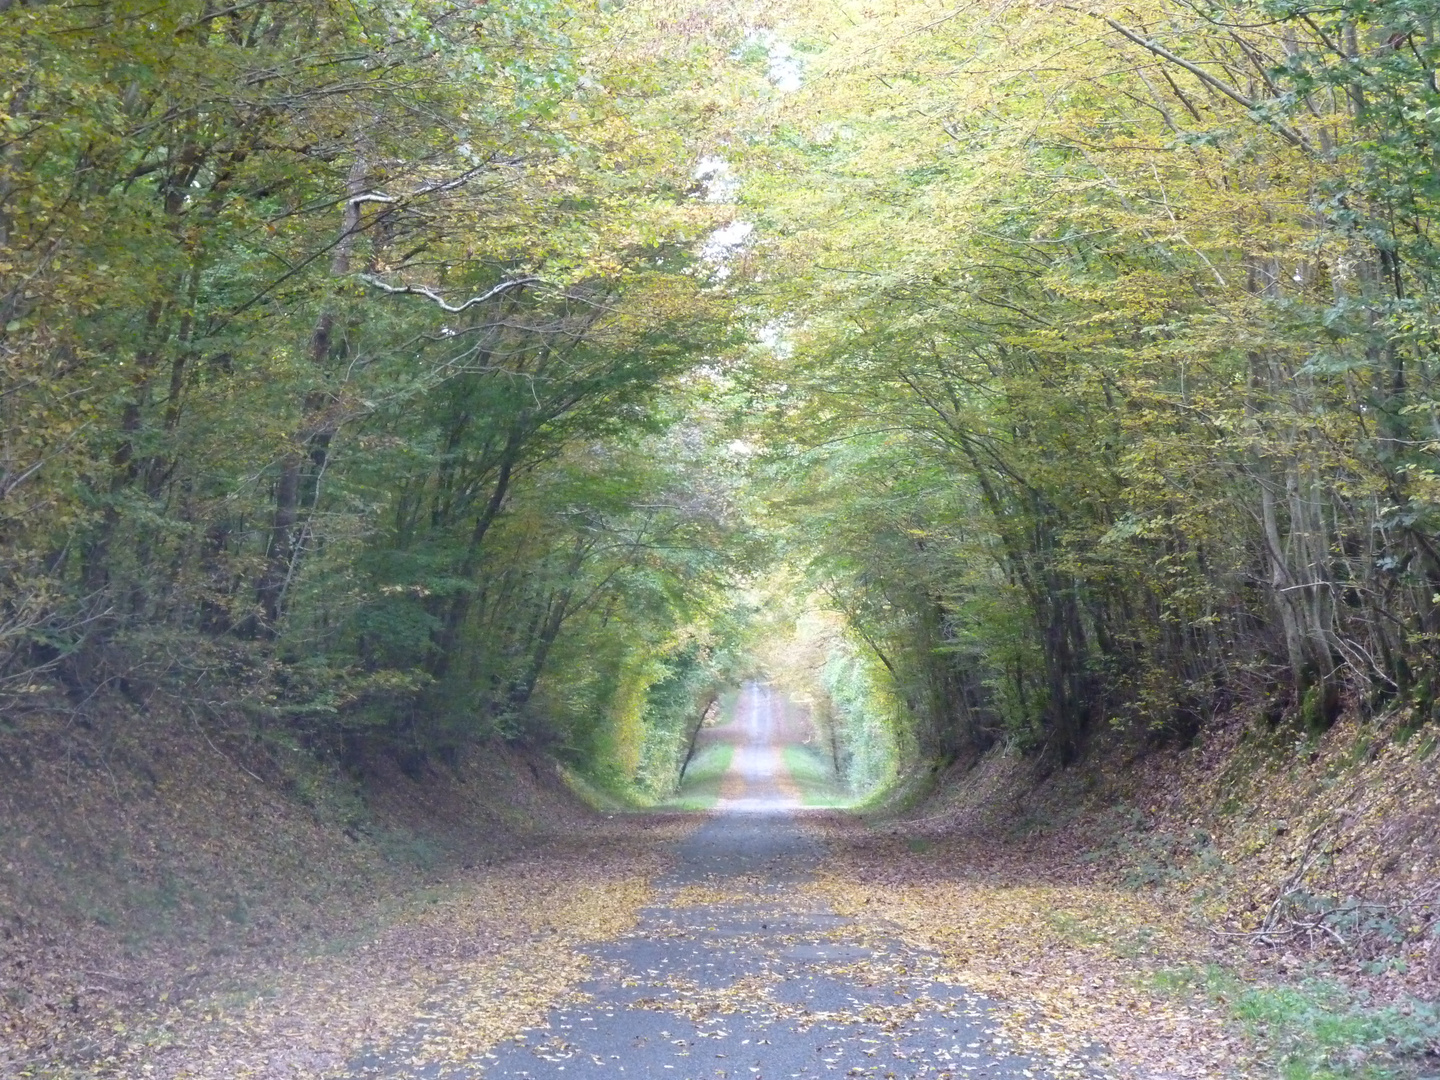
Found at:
<point>1289,134</point>
<point>205,735</point>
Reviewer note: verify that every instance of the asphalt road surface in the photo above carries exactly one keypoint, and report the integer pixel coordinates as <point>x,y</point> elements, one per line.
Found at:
<point>737,973</point>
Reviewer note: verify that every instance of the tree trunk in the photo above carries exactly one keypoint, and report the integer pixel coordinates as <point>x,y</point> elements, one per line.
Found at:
<point>286,532</point>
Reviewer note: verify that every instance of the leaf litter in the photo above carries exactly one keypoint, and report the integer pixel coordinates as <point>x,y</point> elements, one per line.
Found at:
<point>463,966</point>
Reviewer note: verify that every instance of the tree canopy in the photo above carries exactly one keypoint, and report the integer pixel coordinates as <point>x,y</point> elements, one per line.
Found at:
<point>441,371</point>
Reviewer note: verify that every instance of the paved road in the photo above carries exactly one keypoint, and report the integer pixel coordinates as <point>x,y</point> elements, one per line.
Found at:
<point>757,781</point>
<point>737,973</point>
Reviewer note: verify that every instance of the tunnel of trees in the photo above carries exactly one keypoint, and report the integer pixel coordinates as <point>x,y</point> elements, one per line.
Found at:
<point>407,375</point>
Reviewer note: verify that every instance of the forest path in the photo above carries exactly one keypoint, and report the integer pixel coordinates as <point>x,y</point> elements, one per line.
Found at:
<point>740,970</point>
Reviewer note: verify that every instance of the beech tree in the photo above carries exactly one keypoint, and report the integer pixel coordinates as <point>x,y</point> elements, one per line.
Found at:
<point>1129,308</point>
<point>309,312</point>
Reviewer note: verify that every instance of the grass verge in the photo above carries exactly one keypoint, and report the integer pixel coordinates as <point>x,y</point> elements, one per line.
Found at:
<point>814,777</point>
<point>700,789</point>
<point>1317,1029</point>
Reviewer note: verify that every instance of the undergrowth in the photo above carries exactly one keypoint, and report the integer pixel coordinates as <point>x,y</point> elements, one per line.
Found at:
<point>603,797</point>
<point>910,791</point>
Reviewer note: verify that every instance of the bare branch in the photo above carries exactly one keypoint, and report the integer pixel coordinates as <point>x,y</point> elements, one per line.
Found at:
<point>454,309</point>
<point>1285,131</point>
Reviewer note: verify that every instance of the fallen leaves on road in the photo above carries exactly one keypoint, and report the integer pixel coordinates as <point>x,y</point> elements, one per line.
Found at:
<point>1071,965</point>
<point>466,965</point>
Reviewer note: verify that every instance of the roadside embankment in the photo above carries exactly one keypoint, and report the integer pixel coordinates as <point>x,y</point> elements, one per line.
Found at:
<point>211,899</point>
<point>1234,907</point>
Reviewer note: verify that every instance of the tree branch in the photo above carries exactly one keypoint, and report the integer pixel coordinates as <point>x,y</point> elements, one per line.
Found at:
<point>454,309</point>
<point>1289,134</point>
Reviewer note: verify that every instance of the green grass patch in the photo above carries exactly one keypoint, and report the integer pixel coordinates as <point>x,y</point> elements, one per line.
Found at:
<point>902,795</point>
<point>1073,929</point>
<point>815,778</point>
<point>1317,1030</point>
<point>700,788</point>
<point>605,798</point>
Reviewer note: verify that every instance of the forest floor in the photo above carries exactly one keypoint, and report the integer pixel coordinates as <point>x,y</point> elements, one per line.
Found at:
<point>479,922</point>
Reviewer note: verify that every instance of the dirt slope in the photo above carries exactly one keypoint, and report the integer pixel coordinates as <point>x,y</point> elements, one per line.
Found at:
<point>168,889</point>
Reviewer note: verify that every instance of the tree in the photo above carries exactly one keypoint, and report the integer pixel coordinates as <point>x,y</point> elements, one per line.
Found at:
<point>1116,282</point>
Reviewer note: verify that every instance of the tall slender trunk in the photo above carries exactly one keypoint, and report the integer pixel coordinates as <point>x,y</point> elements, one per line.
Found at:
<point>448,636</point>
<point>710,702</point>
<point>521,691</point>
<point>286,531</point>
